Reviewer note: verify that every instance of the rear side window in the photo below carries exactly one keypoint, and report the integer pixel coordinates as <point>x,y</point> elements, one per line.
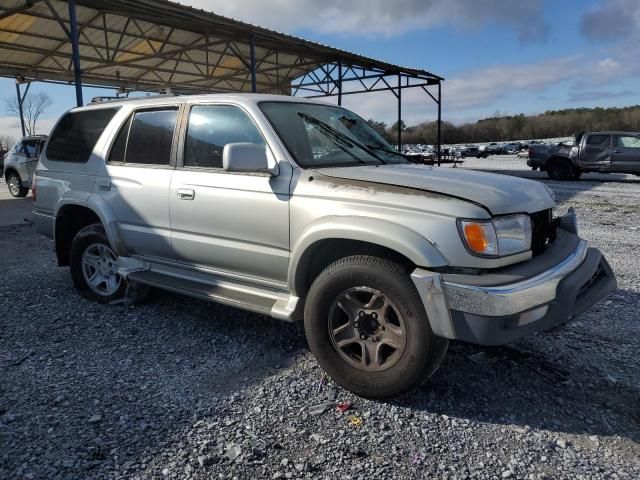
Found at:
<point>146,138</point>
<point>627,141</point>
<point>598,141</point>
<point>76,134</point>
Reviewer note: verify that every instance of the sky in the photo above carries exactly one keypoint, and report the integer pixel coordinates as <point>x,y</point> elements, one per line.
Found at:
<point>503,56</point>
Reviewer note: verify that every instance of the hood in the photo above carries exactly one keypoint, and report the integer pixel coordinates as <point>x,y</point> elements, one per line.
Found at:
<point>500,194</point>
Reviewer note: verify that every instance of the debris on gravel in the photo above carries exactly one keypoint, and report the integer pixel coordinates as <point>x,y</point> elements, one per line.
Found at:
<point>178,388</point>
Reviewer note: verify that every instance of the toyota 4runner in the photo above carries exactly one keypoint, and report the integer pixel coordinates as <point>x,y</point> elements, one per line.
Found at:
<point>299,210</point>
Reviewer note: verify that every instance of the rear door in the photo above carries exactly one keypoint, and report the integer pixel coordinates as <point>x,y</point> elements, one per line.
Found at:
<point>597,152</point>
<point>626,153</point>
<point>136,184</point>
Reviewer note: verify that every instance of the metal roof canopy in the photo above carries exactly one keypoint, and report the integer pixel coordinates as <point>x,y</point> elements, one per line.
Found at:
<point>151,45</point>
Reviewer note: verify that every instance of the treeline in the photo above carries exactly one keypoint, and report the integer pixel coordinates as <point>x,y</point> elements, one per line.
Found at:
<point>550,124</point>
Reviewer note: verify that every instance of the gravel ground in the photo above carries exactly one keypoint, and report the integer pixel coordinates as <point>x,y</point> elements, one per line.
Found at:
<point>178,388</point>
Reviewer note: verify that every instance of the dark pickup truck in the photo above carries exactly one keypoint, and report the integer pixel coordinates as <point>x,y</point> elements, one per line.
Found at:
<point>603,152</point>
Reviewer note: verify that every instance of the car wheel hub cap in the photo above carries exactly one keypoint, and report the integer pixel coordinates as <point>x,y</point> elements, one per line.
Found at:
<point>13,185</point>
<point>366,329</point>
<point>100,269</point>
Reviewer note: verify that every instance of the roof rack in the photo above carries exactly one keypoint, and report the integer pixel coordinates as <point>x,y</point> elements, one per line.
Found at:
<point>105,99</point>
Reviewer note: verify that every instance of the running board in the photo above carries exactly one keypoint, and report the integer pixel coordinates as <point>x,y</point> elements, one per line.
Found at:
<point>273,303</point>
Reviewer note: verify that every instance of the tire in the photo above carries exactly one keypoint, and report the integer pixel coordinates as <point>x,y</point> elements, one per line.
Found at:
<point>15,186</point>
<point>576,174</point>
<point>350,284</point>
<point>559,170</point>
<point>89,248</point>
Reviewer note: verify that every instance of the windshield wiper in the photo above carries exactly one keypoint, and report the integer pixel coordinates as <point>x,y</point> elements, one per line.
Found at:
<point>387,150</point>
<point>329,130</point>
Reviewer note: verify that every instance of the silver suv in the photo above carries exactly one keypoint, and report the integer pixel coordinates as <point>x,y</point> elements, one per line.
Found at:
<point>20,163</point>
<point>299,210</point>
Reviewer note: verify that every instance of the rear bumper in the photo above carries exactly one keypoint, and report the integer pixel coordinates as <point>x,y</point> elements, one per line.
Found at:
<point>44,223</point>
<point>536,162</point>
<point>499,314</point>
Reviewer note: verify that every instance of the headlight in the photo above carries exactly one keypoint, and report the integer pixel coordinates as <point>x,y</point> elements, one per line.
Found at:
<point>499,237</point>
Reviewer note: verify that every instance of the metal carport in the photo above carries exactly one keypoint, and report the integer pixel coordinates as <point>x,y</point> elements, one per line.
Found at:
<point>153,45</point>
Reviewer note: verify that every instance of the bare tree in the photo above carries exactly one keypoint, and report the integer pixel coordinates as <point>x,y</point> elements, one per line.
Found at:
<point>6,141</point>
<point>33,106</point>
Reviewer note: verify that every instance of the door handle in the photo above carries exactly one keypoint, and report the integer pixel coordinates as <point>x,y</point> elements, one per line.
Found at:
<point>617,151</point>
<point>186,194</point>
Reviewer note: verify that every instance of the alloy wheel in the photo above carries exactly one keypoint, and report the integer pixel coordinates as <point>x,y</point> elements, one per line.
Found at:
<point>366,329</point>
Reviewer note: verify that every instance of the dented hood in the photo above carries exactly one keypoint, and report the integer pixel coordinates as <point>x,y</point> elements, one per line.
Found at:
<point>500,194</point>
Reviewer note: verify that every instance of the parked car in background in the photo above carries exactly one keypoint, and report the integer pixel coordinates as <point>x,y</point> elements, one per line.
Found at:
<point>492,148</point>
<point>20,164</point>
<point>604,152</point>
<point>512,148</point>
<point>225,198</point>
<point>523,153</point>
<point>472,151</point>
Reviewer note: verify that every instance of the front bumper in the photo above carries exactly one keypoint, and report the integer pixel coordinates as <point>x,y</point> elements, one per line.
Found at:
<point>489,314</point>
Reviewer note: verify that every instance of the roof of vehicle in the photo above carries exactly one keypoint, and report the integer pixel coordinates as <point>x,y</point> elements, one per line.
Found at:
<point>177,99</point>
<point>613,132</point>
<point>32,137</point>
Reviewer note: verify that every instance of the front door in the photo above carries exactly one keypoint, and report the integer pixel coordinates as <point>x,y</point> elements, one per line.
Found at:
<point>597,152</point>
<point>136,182</point>
<point>626,153</point>
<point>236,223</point>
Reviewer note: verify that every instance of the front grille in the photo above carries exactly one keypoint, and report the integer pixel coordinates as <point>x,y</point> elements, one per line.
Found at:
<point>543,231</point>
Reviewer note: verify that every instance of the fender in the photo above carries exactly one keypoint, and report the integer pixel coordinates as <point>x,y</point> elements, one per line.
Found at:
<point>108,219</point>
<point>405,241</point>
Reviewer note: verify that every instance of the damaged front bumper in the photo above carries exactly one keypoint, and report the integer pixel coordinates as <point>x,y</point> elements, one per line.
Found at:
<point>504,306</point>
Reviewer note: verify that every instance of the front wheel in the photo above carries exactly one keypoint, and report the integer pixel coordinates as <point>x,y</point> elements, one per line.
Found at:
<point>15,186</point>
<point>367,327</point>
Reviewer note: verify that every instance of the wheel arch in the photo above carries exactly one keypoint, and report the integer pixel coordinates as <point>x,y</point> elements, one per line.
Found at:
<point>9,170</point>
<point>328,240</point>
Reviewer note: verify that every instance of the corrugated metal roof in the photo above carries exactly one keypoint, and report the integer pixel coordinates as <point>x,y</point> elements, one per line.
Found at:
<point>154,44</point>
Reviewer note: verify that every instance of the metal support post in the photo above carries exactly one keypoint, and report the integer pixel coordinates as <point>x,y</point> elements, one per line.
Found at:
<point>439,119</point>
<point>75,49</point>
<point>254,87</point>
<point>400,112</point>
<point>20,100</point>
<point>340,82</point>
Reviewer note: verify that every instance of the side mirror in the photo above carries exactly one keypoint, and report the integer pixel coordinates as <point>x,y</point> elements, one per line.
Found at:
<point>245,157</point>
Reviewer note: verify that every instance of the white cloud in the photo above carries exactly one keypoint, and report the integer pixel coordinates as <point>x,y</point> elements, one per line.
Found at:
<point>10,126</point>
<point>371,17</point>
<point>476,93</point>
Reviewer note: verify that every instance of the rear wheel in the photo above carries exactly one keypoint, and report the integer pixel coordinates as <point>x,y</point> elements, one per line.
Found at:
<point>15,185</point>
<point>366,326</point>
<point>94,269</point>
<point>559,170</point>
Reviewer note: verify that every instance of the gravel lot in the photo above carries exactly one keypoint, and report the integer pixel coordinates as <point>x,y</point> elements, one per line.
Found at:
<point>178,388</point>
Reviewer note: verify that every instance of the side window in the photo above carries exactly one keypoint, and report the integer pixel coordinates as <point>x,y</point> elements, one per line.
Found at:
<point>151,137</point>
<point>626,141</point>
<point>116,155</point>
<point>30,148</point>
<point>76,134</point>
<point>599,141</point>
<point>210,128</point>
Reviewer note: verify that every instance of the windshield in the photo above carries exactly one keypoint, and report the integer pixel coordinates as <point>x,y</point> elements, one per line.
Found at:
<point>327,136</point>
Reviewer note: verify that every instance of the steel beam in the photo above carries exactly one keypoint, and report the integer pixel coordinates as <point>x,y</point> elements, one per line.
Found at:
<point>20,100</point>
<point>439,119</point>
<point>400,113</point>
<point>340,82</point>
<point>73,33</point>
<point>254,87</point>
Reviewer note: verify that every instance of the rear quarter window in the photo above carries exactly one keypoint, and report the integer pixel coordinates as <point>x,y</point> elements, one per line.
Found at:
<point>75,136</point>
